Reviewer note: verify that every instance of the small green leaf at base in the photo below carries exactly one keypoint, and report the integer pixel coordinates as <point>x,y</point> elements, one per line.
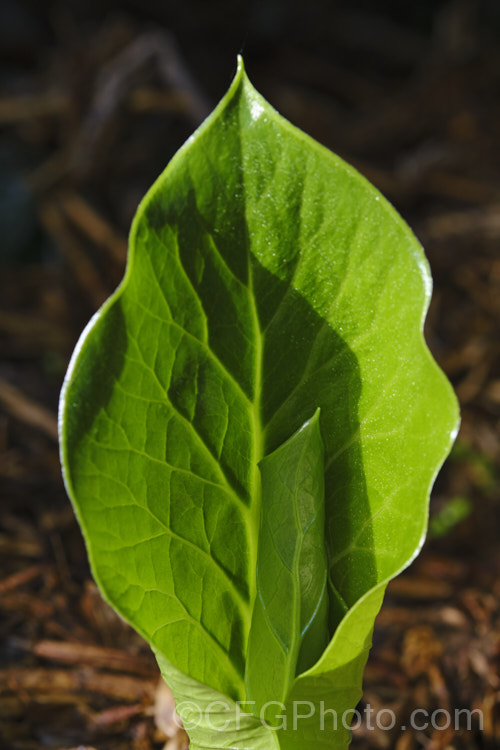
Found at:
<point>289,629</point>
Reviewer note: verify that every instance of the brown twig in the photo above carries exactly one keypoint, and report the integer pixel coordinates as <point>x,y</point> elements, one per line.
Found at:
<point>78,260</point>
<point>19,579</point>
<point>41,681</point>
<point>22,407</point>
<point>86,218</point>
<point>16,109</point>
<point>97,656</point>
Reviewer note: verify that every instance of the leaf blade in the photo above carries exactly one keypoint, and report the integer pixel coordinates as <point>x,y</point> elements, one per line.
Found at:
<point>291,603</point>
<point>277,281</point>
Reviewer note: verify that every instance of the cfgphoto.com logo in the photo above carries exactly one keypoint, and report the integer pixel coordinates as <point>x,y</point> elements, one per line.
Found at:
<point>221,716</point>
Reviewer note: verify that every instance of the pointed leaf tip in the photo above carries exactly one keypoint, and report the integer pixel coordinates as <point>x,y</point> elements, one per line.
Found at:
<point>241,77</point>
<point>239,80</point>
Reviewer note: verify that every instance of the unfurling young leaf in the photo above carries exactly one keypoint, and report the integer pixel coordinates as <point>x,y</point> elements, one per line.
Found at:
<point>251,424</point>
<point>289,628</point>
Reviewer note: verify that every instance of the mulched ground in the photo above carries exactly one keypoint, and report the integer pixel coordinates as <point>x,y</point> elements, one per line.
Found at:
<point>95,98</point>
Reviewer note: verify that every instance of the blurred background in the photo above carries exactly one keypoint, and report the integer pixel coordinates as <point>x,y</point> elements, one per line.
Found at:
<point>95,98</point>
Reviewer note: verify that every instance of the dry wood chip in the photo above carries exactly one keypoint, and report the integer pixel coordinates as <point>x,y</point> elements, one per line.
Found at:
<point>97,656</point>
<point>117,714</point>
<point>165,716</point>
<point>36,682</point>
<point>420,649</point>
<point>19,579</point>
<point>413,587</point>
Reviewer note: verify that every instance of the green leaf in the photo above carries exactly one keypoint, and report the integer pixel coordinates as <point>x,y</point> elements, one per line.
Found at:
<point>213,720</point>
<point>289,629</point>
<point>266,279</point>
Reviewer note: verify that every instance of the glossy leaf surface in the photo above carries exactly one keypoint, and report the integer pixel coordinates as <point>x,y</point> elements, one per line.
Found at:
<point>266,279</point>
<point>289,629</point>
